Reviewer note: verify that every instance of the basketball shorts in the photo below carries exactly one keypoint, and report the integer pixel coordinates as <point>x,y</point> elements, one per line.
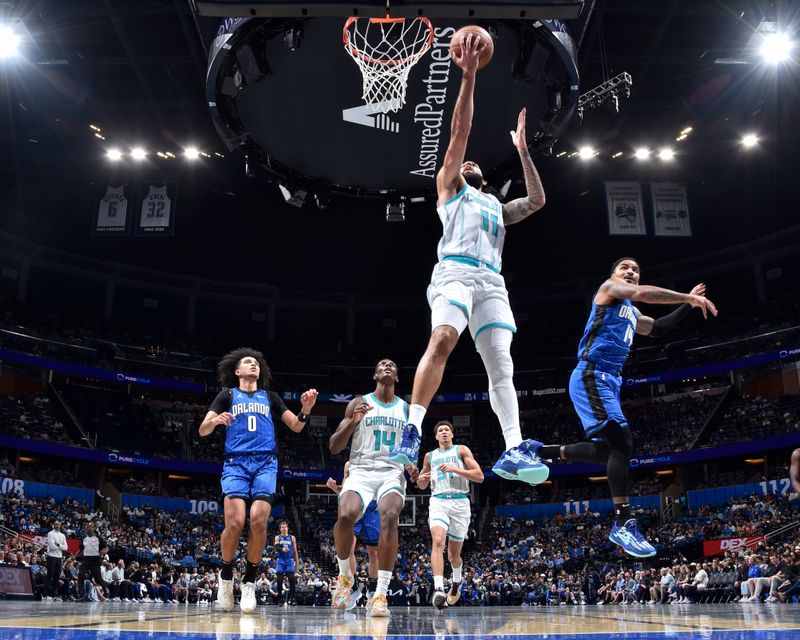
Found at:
<point>250,477</point>
<point>368,529</point>
<point>462,296</point>
<point>284,566</point>
<point>374,485</point>
<point>452,514</point>
<point>595,396</point>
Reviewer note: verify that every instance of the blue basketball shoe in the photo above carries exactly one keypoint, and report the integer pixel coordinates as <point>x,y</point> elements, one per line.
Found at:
<point>522,463</point>
<point>407,451</point>
<point>632,542</point>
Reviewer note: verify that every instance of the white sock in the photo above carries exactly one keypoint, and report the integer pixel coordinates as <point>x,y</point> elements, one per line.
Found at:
<point>384,577</point>
<point>457,572</point>
<point>438,583</point>
<point>494,347</point>
<point>344,567</point>
<point>416,414</point>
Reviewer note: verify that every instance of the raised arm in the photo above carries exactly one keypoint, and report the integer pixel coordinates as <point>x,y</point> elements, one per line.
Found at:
<point>424,477</point>
<point>449,180</point>
<point>307,402</point>
<point>794,470</point>
<point>647,326</point>
<point>616,288</point>
<point>521,208</point>
<point>471,471</point>
<point>356,409</point>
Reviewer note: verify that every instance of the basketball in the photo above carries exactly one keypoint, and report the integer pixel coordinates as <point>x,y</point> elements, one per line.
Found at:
<point>483,34</point>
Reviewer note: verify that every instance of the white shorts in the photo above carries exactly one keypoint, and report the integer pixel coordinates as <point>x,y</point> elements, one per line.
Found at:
<point>373,485</point>
<point>461,295</point>
<point>452,515</point>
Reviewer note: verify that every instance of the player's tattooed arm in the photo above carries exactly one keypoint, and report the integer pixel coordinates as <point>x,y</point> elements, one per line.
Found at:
<point>519,209</point>
<point>618,289</point>
<point>356,409</point>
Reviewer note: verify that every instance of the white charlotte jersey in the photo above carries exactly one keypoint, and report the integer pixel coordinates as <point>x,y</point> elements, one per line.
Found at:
<point>156,208</point>
<point>113,210</point>
<point>377,434</point>
<point>473,227</point>
<point>447,482</point>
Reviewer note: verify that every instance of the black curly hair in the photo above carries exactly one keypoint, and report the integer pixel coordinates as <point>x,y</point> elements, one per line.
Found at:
<point>629,259</point>
<point>226,369</point>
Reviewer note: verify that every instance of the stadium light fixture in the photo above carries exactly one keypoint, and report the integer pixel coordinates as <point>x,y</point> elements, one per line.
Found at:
<point>137,153</point>
<point>776,48</point>
<point>192,153</point>
<point>642,153</point>
<point>586,153</point>
<point>749,140</point>
<point>666,154</point>
<point>114,155</point>
<point>618,154</point>
<point>9,42</point>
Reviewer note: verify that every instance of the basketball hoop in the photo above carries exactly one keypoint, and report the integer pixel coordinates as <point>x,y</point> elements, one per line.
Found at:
<point>385,49</point>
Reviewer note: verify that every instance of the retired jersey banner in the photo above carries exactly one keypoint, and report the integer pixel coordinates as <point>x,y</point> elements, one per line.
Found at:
<point>670,210</point>
<point>625,210</point>
<point>155,210</point>
<point>717,547</point>
<point>111,215</point>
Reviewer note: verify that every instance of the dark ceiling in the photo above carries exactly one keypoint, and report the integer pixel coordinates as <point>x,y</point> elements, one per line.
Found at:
<point>136,70</point>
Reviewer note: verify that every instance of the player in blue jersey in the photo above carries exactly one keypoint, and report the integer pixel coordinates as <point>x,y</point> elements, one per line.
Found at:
<point>466,287</point>
<point>286,562</point>
<point>249,412</point>
<point>368,531</point>
<point>595,383</point>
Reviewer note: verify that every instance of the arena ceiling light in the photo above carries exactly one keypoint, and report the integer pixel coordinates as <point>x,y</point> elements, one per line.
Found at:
<point>137,153</point>
<point>776,48</point>
<point>666,154</point>
<point>586,152</point>
<point>114,155</point>
<point>9,42</point>
<point>642,153</point>
<point>749,140</point>
<point>191,153</point>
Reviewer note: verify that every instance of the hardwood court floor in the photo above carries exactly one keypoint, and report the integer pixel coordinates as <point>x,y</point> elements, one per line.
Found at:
<point>106,621</point>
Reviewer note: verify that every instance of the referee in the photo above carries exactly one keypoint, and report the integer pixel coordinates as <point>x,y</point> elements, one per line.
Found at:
<point>92,547</point>
<point>56,546</point>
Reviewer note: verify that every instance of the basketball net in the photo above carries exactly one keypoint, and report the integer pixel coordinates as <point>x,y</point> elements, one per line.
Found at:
<point>385,49</point>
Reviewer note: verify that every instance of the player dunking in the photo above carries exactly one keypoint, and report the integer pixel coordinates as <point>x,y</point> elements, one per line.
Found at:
<point>467,289</point>
<point>448,469</point>
<point>248,412</point>
<point>368,530</point>
<point>595,384</point>
<point>373,422</point>
<point>286,562</point>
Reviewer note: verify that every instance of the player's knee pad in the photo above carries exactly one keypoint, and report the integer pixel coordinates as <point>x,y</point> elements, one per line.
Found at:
<point>618,438</point>
<point>494,346</point>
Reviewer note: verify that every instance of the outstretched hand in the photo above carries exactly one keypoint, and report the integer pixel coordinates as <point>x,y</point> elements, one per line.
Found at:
<point>704,304</point>
<point>518,136</point>
<point>470,54</point>
<point>698,290</point>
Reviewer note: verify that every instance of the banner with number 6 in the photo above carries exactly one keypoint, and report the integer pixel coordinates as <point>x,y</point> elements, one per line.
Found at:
<point>111,214</point>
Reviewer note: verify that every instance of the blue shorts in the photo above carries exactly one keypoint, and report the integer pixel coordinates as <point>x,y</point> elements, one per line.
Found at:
<point>250,477</point>
<point>368,529</point>
<point>282,566</point>
<point>595,396</point>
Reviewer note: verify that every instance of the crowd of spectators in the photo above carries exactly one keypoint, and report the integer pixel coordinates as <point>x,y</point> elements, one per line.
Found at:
<point>749,418</point>
<point>31,417</point>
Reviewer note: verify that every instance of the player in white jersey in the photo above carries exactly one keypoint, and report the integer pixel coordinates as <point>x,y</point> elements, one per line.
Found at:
<point>374,422</point>
<point>448,469</point>
<point>467,289</point>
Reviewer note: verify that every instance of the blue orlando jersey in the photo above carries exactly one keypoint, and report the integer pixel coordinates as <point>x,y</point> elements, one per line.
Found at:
<point>252,429</point>
<point>285,549</point>
<point>608,335</point>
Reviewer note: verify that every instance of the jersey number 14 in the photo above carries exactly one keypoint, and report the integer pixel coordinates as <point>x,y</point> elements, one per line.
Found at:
<point>384,438</point>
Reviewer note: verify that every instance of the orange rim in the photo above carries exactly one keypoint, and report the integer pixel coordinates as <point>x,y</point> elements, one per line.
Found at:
<point>357,53</point>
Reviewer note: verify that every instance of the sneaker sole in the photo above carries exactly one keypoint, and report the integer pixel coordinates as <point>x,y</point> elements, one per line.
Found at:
<point>631,553</point>
<point>450,602</point>
<point>529,476</point>
<point>401,457</point>
<point>441,604</point>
